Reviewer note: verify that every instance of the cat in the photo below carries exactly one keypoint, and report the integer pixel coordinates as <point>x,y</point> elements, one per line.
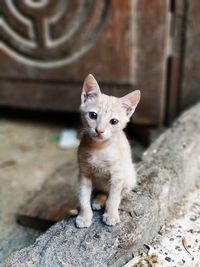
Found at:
<point>104,154</point>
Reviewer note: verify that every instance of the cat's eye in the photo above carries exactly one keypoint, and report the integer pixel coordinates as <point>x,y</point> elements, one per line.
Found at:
<point>114,121</point>
<point>93,115</point>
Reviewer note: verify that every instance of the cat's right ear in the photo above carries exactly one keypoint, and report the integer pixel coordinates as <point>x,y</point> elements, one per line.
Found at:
<point>90,89</point>
<point>130,102</point>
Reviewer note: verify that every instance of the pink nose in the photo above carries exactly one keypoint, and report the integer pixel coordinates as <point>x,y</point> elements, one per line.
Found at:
<point>99,132</point>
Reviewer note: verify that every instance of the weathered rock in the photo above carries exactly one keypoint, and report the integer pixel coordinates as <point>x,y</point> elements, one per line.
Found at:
<point>169,168</point>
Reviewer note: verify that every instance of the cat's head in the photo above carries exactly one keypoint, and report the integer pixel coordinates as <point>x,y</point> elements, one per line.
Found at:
<point>103,115</point>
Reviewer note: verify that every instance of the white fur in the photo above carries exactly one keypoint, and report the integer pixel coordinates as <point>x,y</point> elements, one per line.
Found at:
<point>84,219</point>
<point>105,160</point>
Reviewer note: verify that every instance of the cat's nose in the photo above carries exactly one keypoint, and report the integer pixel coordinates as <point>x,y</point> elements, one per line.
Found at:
<point>98,131</point>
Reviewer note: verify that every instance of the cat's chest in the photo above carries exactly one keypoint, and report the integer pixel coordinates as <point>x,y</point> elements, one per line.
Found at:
<point>100,161</point>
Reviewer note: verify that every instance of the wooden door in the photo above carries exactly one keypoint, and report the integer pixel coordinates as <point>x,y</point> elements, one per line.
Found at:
<point>190,75</point>
<point>183,85</point>
<point>47,47</point>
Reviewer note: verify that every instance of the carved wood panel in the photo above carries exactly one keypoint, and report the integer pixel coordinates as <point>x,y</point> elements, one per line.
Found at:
<point>47,47</point>
<point>50,34</point>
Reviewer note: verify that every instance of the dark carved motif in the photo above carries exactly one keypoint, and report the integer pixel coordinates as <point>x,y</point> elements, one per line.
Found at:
<point>50,33</point>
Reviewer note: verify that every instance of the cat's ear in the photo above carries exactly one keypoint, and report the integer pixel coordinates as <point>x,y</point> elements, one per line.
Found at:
<point>130,101</point>
<point>90,89</point>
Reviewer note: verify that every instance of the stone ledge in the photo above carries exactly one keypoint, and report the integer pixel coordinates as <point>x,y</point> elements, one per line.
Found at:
<point>170,167</point>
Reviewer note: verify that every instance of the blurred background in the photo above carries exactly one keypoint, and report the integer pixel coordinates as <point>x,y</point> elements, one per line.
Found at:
<point>47,47</point>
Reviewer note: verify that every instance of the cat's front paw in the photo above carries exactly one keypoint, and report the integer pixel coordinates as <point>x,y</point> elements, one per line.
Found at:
<point>111,219</point>
<point>83,221</point>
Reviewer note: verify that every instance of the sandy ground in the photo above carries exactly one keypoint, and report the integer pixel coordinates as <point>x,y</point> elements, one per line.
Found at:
<point>28,156</point>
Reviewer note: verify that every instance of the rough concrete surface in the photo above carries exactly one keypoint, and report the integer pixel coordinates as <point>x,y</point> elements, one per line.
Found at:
<point>170,167</point>
<point>178,244</point>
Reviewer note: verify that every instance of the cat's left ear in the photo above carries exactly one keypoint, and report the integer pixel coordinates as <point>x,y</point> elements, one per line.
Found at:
<point>130,102</point>
<point>91,89</point>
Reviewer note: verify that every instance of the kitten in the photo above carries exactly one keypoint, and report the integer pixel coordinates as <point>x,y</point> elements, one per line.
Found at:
<point>104,153</point>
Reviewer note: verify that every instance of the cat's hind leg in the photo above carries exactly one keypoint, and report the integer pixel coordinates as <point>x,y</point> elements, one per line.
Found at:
<point>130,179</point>
<point>99,201</point>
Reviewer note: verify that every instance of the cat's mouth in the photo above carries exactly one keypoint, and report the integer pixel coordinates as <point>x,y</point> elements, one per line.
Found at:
<point>100,137</point>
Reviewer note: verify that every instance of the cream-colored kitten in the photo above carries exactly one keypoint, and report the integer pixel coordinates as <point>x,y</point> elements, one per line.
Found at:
<point>104,153</point>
